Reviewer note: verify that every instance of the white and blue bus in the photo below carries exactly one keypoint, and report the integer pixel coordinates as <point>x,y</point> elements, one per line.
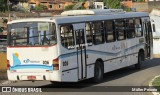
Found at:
<point>78,45</point>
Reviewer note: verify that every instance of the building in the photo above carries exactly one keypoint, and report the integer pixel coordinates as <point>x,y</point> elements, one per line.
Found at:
<point>50,4</point>
<point>20,4</point>
<point>155,19</point>
<point>136,5</point>
<point>99,5</point>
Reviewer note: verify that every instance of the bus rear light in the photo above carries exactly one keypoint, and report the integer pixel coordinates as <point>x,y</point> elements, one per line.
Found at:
<point>14,71</point>
<point>8,65</point>
<point>56,64</point>
<point>47,70</point>
<point>56,61</point>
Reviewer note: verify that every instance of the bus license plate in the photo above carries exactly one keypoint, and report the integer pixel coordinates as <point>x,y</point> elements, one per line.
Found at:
<point>31,77</point>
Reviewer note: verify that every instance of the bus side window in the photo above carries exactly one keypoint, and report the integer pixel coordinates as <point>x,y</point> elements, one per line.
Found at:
<point>53,37</point>
<point>89,34</point>
<point>67,36</point>
<point>138,28</point>
<point>130,28</point>
<point>108,25</point>
<point>98,32</point>
<point>119,28</point>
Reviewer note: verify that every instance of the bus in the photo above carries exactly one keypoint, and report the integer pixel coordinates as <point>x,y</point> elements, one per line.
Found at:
<point>77,45</point>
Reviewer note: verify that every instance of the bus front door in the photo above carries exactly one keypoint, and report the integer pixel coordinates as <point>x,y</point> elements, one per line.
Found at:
<point>148,37</point>
<point>81,53</point>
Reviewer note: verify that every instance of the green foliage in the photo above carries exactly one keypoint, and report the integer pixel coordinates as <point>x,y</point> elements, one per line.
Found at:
<point>69,7</point>
<point>82,0</point>
<point>156,83</point>
<point>140,0</point>
<point>3,5</point>
<point>112,4</point>
<point>82,8</point>
<point>125,8</point>
<point>40,7</point>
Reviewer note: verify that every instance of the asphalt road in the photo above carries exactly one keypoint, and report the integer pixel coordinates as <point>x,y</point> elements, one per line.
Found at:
<point>123,77</point>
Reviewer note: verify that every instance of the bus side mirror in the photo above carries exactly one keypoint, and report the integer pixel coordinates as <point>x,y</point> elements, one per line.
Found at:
<point>153,28</point>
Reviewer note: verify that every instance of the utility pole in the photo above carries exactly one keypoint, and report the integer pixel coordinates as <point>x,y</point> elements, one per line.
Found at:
<point>9,14</point>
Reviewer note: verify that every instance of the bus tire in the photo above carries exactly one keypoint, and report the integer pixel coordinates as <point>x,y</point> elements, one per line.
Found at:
<point>98,72</point>
<point>140,60</point>
<point>55,83</point>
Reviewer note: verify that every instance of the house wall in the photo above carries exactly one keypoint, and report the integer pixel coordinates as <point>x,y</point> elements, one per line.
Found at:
<point>52,5</point>
<point>140,6</point>
<point>153,5</point>
<point>127,3</point>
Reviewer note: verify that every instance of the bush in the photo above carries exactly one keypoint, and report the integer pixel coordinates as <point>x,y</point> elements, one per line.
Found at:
<point>69,7</point>
<point>40,7</point>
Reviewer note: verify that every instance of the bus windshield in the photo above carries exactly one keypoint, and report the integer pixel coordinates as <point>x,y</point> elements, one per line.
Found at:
<point>32,34</point>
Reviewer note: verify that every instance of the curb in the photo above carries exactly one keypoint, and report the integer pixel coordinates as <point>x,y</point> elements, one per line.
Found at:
<point>3,77</point>
<point>150,84</point>
<point>4,82</point>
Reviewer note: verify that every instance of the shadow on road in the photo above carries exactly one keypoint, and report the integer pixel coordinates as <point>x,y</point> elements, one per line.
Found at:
<point>107,77</point>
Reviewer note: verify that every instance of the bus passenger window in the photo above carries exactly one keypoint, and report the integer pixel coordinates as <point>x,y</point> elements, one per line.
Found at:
<point>98,32</point>
<point>88,34</point>
<point>130,28</point>
<point>138,28</point>
<point>109,31</point>
<point>67,36</point>
<point>119,27</point>
<point>53,37</point>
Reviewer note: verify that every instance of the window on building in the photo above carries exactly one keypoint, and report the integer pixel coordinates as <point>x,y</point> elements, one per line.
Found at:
<point>138,28</point>
<point>98,32</point>
<point>120,29</point>
<point>67,36</point>
<point>60,6</point>
<point>110,34</point>
<point>50,6</point>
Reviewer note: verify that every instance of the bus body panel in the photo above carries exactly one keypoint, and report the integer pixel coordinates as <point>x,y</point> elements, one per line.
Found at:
<point>32,61</point>
<point>78,62</point>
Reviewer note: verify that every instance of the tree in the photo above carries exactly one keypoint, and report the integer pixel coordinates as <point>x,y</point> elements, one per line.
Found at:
<point>113,4</point>
<point>125,8</point>
<point>3,5</point>
<point>140,0</point>
<point>82,0</point>
<point>40,7</point>
<point>69,7</point>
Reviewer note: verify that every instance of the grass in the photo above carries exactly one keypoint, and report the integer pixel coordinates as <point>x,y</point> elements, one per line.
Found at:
<point>156,83</point>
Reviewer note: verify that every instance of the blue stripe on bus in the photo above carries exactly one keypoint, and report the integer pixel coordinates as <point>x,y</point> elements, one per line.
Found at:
<point>100,52</point>
<point>31,66</point>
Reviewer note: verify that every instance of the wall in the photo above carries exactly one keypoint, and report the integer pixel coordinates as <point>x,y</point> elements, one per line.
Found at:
<point>3,61</point>
<point>140,6</point>
<point>153,5</point>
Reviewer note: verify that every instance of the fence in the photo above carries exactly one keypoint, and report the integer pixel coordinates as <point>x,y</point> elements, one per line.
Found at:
<point>3,43</point>
<point>3,56</point>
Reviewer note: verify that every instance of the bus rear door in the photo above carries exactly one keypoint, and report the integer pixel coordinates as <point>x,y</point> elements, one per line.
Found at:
<point>81,50</point>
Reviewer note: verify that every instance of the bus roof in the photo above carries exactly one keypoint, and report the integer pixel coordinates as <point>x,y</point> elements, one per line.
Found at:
<point>83,18</point>
<point>91,12</point>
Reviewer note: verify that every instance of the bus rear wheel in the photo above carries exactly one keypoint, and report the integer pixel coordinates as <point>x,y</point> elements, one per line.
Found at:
<point>140,60</point>
<point>98,72</point>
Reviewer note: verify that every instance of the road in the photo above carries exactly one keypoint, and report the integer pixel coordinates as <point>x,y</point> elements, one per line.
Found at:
<point>123,77</point>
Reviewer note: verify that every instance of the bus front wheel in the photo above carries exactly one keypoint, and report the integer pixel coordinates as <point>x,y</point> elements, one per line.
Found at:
<point>98,72</point>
